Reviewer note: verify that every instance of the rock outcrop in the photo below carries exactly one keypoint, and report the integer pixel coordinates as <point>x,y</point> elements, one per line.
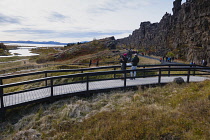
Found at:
<point>186,33</point>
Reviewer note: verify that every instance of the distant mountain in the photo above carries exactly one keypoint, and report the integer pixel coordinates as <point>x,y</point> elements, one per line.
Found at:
<point>36,42</point>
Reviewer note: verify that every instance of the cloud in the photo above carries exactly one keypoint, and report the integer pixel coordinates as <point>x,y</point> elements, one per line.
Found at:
<point>117,5</point>
<point>91,34</point>
<point>76,19</point>
<point>9,20</point>
<point>70,34</point>
<point>62,35</point>
<point>29,31</point>
<point>57,17</point>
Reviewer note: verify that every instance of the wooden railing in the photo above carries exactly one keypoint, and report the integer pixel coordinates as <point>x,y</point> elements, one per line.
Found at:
<point>28,67</point>
<point>85,76</point>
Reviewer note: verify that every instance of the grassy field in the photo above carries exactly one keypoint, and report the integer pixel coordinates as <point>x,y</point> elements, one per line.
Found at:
<point>14,58</point>
<point>169,112</point>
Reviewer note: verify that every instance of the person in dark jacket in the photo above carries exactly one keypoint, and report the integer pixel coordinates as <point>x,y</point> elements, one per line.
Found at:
<point>135,62</point>
<point>123,61</point>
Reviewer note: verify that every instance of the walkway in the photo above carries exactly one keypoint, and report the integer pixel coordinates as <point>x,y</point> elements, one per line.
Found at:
<point>81,87</point>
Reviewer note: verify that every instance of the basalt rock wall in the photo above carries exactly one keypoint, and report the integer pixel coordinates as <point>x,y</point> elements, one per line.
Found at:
<point>186,32</point>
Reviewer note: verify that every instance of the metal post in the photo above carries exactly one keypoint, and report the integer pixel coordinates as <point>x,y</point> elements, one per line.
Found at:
<point>169,71</point>
<point>87,83</point>
<point>3,111</point>
<point>188,76</point>
<point>46,80</point>
<point>1,81</point>
<point>51,87</point>
<point>194,71</point>
<point>114,73</point>
<point>125,80</point>
<point>159,77</point>
<point>144,72</point>
<point>82,76</point>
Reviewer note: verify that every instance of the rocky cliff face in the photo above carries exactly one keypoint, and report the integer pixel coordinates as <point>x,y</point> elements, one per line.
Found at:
<point>186,33</point>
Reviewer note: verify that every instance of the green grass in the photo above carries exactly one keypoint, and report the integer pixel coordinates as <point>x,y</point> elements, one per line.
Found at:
<point>14,58</point>
<point>169,112</point>
<point>10,65</point>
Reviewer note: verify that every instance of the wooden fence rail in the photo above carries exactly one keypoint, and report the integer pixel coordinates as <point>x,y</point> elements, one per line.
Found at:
<point>48,65</point>
<point>84,78</point>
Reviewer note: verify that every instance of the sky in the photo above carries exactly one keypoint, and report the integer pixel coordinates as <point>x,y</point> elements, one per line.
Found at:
<point>76,20</point>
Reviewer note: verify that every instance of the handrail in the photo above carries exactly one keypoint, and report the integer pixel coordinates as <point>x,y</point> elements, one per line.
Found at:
<point>155,68</point>
<point>105,73</point>
<point>86,69</point>
<point>39,66</point>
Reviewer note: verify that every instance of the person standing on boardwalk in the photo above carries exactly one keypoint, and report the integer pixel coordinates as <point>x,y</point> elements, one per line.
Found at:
<point>135,62</point>
<point>204,63</point>
<point>123,61</point>
<point>90,62</point>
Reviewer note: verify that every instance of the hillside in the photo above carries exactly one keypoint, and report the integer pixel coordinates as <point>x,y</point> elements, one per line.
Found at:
<point>169,112</point>
<point>96,50</point>
<point>185,33</point>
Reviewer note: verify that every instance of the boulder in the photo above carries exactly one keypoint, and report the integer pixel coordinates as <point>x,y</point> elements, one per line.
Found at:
<point>178,80</point>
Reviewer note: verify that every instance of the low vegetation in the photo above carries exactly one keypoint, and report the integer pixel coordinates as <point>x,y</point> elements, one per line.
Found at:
<point>3,50</point>
<point>169,112</point>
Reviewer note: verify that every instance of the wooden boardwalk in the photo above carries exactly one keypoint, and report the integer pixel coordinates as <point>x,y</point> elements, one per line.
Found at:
<point>29,96</point>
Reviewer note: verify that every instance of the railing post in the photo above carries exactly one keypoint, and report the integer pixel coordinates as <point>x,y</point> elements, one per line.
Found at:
<point>3,111</point>
<point>82,76</point>
<point>87,82</point>
<point>114,73</point>
<point>188,76</point>
<point>45,80</point>
<point>125,77</point>
<point>194,70</point>
<point>144,72</point>
<point>159,77</point>
<point>169,71</point>
<point>1,81</point>
<point>51,87</point>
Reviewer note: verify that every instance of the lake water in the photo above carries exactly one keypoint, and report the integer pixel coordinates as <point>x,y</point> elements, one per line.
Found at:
<point>24,49</point>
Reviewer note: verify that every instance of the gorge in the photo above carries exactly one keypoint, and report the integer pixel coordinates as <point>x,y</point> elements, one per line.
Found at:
<point>185,33</point>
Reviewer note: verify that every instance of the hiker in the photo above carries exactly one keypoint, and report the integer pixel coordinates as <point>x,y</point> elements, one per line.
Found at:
<point>204,63</point>
<point>192,64</point>
<point>169,59</point>
<point>123,60</point>
<point>97,63</point>
<point>90,62</point>
<point>129,55</point>
<point>172,59</point>
<point>166,59</point>
<point>135,62</point>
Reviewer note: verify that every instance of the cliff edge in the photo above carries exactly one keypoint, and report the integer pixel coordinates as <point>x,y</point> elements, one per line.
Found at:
<point>186,32</point>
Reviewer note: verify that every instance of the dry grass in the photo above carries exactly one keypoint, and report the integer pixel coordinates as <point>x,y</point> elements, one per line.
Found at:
<point>147,61</point>
<point>169,112</point>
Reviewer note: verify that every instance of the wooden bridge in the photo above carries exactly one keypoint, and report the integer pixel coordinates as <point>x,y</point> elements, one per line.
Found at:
<point>53,84</point>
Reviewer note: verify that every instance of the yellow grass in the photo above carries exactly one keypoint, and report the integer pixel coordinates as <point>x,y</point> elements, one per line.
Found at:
<point>169,112</point>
